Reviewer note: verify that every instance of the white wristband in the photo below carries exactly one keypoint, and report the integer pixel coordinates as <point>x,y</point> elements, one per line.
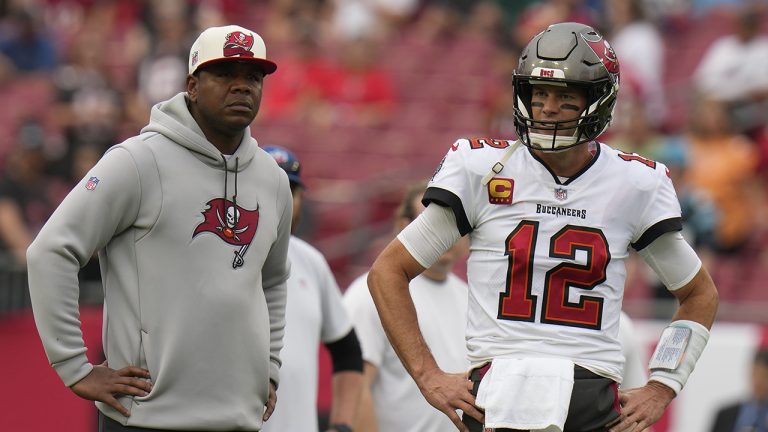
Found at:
<point>677,352</point>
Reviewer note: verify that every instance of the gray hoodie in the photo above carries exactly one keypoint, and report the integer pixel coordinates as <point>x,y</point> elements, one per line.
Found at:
<point>194,285</point>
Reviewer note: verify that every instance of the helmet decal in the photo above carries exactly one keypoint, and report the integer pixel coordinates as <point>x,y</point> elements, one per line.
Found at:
<point>606,54</point>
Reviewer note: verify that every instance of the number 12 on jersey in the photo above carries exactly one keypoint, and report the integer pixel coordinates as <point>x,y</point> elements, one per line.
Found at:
<point>517,303</point>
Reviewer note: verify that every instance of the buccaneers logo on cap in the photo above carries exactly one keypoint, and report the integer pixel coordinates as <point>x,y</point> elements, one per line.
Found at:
<point>233,224</point>
<point>238,44</point>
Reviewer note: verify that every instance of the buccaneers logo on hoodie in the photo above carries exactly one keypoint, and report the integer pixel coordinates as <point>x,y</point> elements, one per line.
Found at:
<point>233,224</point>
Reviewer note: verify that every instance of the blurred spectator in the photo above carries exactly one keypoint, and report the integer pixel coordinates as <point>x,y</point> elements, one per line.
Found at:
<point>498,94</point>
<point>25,202</point>
<point>704,6</point>
<point>29,47</point>
<point>485,20</point>
<point>700,214</point>
<point>723,163</point>
<point>353,19</point>
<point>437,22</point>
<point>304,81</point>
<point>750,414</point>
<point>510,11</point>
<point>89,108</point>
<point>637,134</point>
<point>734,70</point>
<point>537,17</point>
<point>640,49</point>
<point>363,93</point>
<point>162,72</point>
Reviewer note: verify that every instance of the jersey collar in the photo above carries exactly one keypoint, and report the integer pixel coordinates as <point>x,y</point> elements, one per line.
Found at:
<point>575,176</point>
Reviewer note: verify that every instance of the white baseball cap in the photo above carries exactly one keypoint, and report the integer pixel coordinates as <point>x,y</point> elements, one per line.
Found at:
<point>229,43</point>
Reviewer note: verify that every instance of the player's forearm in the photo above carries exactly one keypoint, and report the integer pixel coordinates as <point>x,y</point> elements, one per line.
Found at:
<point>698,300</point>
<point>388,282</point>
<point>366,420</point>
<point>347,387</point>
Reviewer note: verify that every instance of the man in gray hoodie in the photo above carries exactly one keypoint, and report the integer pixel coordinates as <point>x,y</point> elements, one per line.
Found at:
<point>191,220</point>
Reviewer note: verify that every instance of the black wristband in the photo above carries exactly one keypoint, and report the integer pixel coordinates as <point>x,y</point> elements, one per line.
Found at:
<point>340,427</point>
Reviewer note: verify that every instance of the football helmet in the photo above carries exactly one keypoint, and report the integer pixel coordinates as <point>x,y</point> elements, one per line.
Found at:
<point>566,54</point>
<point>287,161</point>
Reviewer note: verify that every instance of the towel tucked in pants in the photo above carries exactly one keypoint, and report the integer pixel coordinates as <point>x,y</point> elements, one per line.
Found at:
<point>594,402</point>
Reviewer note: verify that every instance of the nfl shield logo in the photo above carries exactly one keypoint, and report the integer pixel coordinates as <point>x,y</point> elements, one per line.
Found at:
<point>92,182</point>
<point>561,194</point>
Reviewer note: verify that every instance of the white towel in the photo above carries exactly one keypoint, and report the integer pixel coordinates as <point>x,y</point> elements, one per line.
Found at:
<point>530,394</point>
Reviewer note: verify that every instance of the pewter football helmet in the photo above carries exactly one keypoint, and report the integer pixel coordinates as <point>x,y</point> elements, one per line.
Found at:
<point>567,54</point>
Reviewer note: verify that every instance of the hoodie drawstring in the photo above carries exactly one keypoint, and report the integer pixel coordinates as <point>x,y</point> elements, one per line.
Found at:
<point>234,197</point>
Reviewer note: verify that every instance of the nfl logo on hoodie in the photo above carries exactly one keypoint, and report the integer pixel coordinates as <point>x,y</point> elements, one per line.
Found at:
<point>92,183</point>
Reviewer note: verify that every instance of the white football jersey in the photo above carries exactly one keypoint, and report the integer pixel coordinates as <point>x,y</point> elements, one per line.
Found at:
<point>314,313</point>
<point>546,267</point>
<point>398,403</point>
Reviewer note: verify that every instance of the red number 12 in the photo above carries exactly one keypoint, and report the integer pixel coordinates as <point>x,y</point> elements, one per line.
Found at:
<point>517,302</point>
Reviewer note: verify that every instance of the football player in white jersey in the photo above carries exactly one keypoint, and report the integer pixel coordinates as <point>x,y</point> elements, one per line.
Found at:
<point>391,401</point>
<point>314,313</point>
<point>550,218</point>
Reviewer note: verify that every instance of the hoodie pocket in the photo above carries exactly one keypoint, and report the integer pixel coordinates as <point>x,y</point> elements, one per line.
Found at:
<point>146,361</point>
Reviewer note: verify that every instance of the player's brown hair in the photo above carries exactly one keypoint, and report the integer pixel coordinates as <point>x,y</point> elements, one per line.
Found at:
<point>406,208</point>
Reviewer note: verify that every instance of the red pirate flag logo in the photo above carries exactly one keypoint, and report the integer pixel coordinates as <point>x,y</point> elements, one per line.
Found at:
<point>605,53</point>
<point>238,44</point>
<point>233,224</point>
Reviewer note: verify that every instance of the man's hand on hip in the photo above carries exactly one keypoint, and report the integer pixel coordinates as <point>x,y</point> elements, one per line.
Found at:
<point>642,407</point>
<point>449,392</point>
<point>104,383</point>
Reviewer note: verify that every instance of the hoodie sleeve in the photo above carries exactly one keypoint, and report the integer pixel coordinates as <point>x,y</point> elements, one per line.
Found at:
<point>274,275</point>
<point>103,204</point>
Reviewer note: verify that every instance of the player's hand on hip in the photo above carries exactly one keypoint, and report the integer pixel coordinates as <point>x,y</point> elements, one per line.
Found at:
<point>449,392</point>
<point>269,407</point>
<point>104,383</point>
<point>642,407</point>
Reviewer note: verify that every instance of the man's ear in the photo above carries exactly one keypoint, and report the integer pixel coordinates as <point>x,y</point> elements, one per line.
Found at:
<point>192,81</point>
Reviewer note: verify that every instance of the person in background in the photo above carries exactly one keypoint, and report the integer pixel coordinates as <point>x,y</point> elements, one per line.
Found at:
<point>750,414</point>
<point>641,48</point>
<point>26,193</point>
<point>734,69</point>
<point>192,221</point>
<point>314,313</point>
<point>391,401</point>
<point>634,374</point>
<point>29,48</point>
<point>722,163</point>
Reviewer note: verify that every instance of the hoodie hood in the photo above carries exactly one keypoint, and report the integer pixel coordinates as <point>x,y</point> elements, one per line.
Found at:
<point>173,120</point>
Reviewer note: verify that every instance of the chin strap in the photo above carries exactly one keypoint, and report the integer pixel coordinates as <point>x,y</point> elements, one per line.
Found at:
<point>498,166</point>
<point>551,142</point>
